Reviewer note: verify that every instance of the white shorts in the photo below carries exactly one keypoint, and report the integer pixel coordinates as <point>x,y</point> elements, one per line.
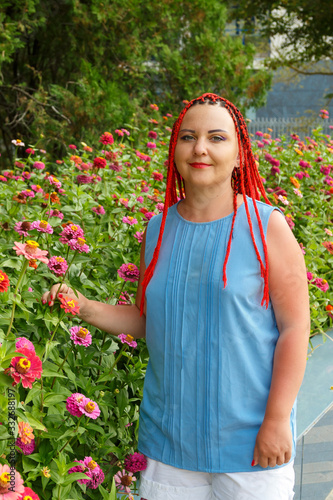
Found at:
<point>164,482</point>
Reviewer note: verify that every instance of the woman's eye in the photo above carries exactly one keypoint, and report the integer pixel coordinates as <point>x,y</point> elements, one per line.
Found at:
<point>218,138</point>
<point>186,138</point>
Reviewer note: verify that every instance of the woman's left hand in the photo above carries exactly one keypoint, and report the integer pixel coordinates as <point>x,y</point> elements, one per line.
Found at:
<point>273,444</point>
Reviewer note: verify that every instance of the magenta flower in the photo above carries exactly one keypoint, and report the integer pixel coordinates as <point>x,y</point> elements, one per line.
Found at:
<point>26,175</point>
<point>26,449</point>
<point>98,210</point>
<point>124,480</point>
<point>89,408</point>
<point>30,251</point>
<point>290,221</point>
<point>42,226</point>
<point>120,133</point>
<point>3,178</point>
<point>22,228</point>
<point>129,272</point>
<point>72,146</point>
<point>152,134</point>
<point>54,181</point>
<point>160,207</point>
<point>157,176</point>
<point>37,188</point>
<point>71,232</point>
<point>259,134</point>
<point>129,220</point>
<point>127,339</point>
<point>94,473</point>
<point>28,193</point>
<point>106,138</point>
<point>151,145</point>
<point>135,462</point>
<point>57,265</point>
<point>73,404</point>
<point>39,165</point>
<point>116,167</point>
<point>23,343</point>
<point>126,131</point>
<point>140,199</point>
<point>148,215</point>
<point>80,335</point>
<point>139,236</point>
<point>84,179</point>
<point>55,213</point>
<point>321,284</point>
<point>79,245</point>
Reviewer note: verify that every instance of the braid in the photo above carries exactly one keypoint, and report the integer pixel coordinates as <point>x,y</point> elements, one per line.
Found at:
<point>245,180</point>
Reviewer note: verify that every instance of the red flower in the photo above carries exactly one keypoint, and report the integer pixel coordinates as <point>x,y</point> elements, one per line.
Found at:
<point>99,162</point>
<point>327,244</point>
<point>29,494</point>
<point>70,305</point>
<point>106,138</point>
<point>4,281</point>
<point>25,369</point>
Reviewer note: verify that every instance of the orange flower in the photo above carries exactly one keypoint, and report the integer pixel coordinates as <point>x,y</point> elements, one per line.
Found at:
<point>298,151</point>
<point>70,305</point>
<point>25,432</point>
<point>294,182</point>
<point>328,245</point>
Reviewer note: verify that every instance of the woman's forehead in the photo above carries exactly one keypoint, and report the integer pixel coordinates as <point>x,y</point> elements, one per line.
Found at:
<point>208,115</point>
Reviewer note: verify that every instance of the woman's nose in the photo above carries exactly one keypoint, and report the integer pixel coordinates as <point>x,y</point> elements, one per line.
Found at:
<point>200,147</point>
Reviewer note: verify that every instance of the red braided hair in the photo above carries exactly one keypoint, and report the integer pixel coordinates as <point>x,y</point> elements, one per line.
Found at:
<point>245,180</point>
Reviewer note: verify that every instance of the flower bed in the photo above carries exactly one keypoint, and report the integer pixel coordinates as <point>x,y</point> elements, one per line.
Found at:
<point>74,390</point>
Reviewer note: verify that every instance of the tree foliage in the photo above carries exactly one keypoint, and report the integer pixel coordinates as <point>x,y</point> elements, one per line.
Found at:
<point>71,68</point>
<point>304,28</point>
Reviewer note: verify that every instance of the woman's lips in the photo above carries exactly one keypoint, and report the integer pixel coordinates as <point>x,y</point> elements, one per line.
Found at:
<point>200,165</point>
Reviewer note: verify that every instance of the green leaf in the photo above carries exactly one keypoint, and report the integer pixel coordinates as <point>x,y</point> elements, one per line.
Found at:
<point>35,424</point>
<point>74,476</point>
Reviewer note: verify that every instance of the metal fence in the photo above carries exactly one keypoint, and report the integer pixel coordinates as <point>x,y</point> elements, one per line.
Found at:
<point>285,126</point>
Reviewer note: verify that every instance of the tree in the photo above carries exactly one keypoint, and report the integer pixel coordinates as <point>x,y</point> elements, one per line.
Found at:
<point>304,29</point>
<point>73,68</point>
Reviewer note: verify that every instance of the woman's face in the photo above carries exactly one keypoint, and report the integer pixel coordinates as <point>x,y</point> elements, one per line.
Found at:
<point>207,148</point>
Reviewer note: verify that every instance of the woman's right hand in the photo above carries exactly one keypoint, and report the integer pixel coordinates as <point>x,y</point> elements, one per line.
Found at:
<point>64,290</point>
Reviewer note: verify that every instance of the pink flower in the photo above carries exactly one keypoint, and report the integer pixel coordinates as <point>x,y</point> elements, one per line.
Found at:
<point>98,210</point>
<point>25,369</point>
<point>298,193</point>
<point>94,473</point>
<point>106,138</point>
<point>302,248</point>
<point>72,146</point>
<point>25,432</point>
<point>28,494</point>
<point>55,213</point>
<point>22,228</point>
<point>69,305</point>
<point>152,134</point>
<point>116,167</point>
<point>26,449</point>
<point>328,245</point>
<point>30,151</point>
<point>129,220</point>
<point>309,276</point>
<point>37,188</point>
<point>26,175</point>
<point>328,231</point>
<point>30,251</point>
<point>120,133</point>
<point>275,170</point>
<point>80,335</point>
<point>84,179</point>
<point>151,145</point>
<point>148,215</point>
<point>139,236</point>
<point>128,272</point>
<point>259,134</point>
<point>290,221</point>
<point>124,480</point>
<point>99,162</point>
<point>42,226</point>
<point>160,207</point>
<point>89,408</point>
<point>28,193</point>
<point>124,201</point>
<point>79,245</point>
<point>73,404</point>
<point>71,232</point>
<point>23,343</point>
<point>325,169</point>
<point>126,131</point>
<point>39,165</point>
<point>140,199</point>
<point>135,462</point>
<point>283,200</point>
<point>154,107</point>
<point>8,490</point>
<point>157,176</point>
<point>58,265</point>
<point>3,179</point>
<point>321,284</point>
<point>329,180</point>
<point>127,339</point>
<point>54,181</point>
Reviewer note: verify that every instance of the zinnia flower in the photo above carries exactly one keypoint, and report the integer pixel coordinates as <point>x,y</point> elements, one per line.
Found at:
<point>18,142</point>
<point>84,179</point>
<point>58,265</point>
<point>139,236</point>
<point>4,282</point>
<point>80,335</point>
<point>25,369</point>
<point>106,138</point>
<point>39,165</point>
<point>46,472</point>
<point>98,210</point>
<point>152,134</point>
<point>127,339</point>
<point>128,272</point>
<point>327,244</point>
<point>23,343</point>
<point>30,251</point>
<point>321,284</point>
<point>89,408</point>
<point>8,490</point>
<point>129,220</point>
<point>290,221</point>
<point>157,176</point>
<point>28,494</point>
<point>71,232</point>
<point>55,213</point>
<point>69,305</point>
<point>135,462</point>
<point>73,404</point>
<point>124,480</point>
<point>25,432</point>
<point>151,145</point>
<point>42,226</point>
<point>26,449</point>
<point>79,245</point>
<point>94,473</point>
<point>99,162</point>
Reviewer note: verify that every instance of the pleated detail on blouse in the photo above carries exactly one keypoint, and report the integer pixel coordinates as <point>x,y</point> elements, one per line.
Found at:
<point>211,348</point>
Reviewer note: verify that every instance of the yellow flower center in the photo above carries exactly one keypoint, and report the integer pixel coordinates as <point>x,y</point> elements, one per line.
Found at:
<point>131,267</point>
<point>55,179</point>
<point>43,224</point>
<point>90,407</point>
<point>4,479</point>
<point>130,218</point>
<point>38,186</point>
<point>92,465</point>
<point>59,259</point>
<point>31,247</point>
<point>27,497</point>
<point>1,277</point>
<point>23,365</point>
<point>73,228</point>
<point>71,303</point>
<point>324,281</point>
<point>81,241</point>
<point>82,333</point>
<point>129,338</point>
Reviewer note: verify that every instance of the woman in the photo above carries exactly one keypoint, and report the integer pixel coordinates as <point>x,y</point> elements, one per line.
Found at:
<point>226,318</point>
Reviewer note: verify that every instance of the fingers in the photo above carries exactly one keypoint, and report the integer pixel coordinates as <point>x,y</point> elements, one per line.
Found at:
<point>270,461</point>
<point>55,291</point>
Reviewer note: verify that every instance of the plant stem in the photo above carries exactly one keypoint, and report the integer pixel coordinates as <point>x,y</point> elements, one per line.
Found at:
<point>60,367</point>
<point>68,441</point>
<point>53,334</point>
<point>19,281</point>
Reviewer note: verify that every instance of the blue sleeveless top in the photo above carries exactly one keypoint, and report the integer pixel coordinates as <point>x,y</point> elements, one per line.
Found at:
<point>211,348</point>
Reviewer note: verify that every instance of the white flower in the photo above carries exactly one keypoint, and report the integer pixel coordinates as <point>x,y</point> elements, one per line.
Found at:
<point>18,142</point>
